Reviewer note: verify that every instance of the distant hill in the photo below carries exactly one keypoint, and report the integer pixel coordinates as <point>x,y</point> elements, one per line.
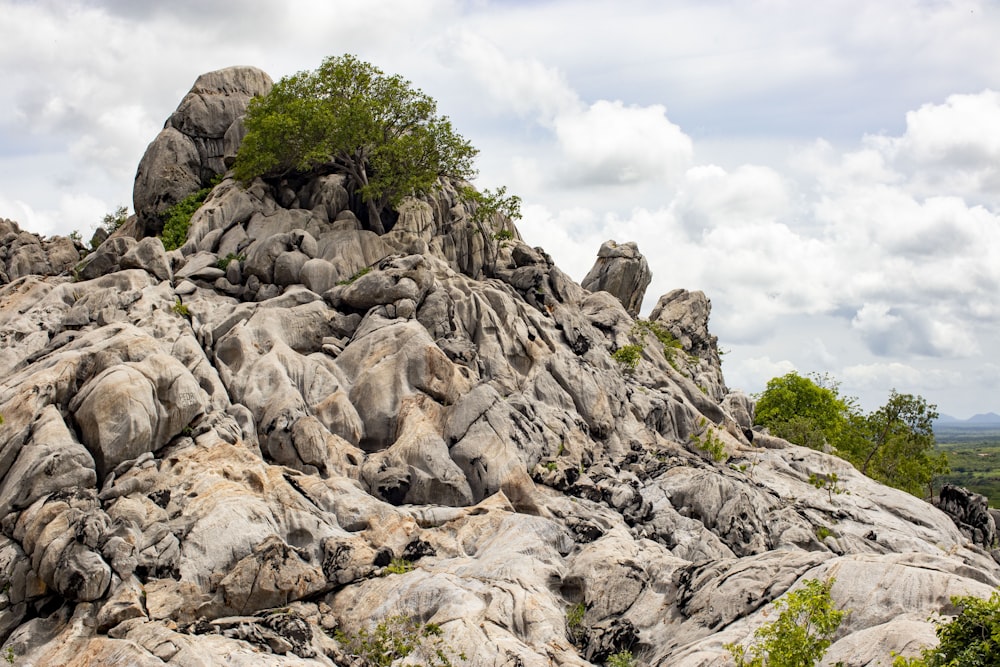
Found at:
<point>976,421</point>
<point>987,418</point>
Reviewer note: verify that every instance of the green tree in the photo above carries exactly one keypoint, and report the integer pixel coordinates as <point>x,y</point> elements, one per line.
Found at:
<point>807,412</point>
<point>800,636</point>
<point>899,450</point>
<point>378,130</point>
<point>112,221</point>
<point>894,444</point>
<point>970,639</point>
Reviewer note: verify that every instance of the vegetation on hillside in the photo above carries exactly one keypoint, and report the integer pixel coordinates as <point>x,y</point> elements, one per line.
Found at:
<point>970,639</point>
<point>800,635</point>
<point>348,115</point>
<point>893,444</point>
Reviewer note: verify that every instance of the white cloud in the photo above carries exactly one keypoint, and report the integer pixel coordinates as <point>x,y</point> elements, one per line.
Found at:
<point>710,198</point>
<point>610,143</point>
<point>522,85</point>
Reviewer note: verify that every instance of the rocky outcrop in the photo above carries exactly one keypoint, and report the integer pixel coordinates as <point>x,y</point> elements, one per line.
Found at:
<point>195,141</point>
<point>24,254</point>
<point>970,512</point>
<point>685,315</point>
<point>291,426</point>
<point>621,270</point>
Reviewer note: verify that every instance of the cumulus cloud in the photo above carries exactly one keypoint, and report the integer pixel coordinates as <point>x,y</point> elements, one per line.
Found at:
<point>610,143</point>
<point>524,86</point>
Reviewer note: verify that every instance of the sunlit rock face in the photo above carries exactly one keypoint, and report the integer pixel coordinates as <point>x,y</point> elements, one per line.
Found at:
<point>224,453</point>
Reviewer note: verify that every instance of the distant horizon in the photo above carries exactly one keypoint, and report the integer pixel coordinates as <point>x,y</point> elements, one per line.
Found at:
<point>991,418</point>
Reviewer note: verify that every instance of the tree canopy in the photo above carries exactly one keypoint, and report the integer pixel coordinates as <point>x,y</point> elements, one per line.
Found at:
<point>894,444</point>
<point>348,115</point>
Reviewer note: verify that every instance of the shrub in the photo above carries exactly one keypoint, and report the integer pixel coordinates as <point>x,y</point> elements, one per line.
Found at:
<point>829,482</point>
<point>399,566</point>
<point>621,659</point>
<point>112,221</point>
<point>177,219</point>
<point>628,356</point>
<point>801,634</point>
<point>224,262</point>
<point>711,443</point>
<point>971,638</point>
<point>361,272</point>
<point>397,637</point>
<point>180,308</point>
<point>574,622</point>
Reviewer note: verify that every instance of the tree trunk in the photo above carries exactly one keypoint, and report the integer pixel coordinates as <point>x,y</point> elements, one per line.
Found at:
<point>375,219</point>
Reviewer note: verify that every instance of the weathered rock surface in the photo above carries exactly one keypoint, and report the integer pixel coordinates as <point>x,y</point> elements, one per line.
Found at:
<point>220,455</point>
<point>621,270</point>
<point>191,148</point>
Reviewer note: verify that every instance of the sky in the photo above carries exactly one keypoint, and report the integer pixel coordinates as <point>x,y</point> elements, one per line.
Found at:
<point>827,173</point>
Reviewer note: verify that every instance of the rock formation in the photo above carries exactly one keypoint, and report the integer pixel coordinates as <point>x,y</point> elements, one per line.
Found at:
<point>621,270</point>
<point>225,453</point>
<point>195,141</point>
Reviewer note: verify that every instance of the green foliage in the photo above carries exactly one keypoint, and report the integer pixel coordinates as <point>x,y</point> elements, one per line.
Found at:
<point>181,309</point>
<point>970,639</point>
<point>822,532</point>
<point>621,659</point>
<point>398,637</point>
<point>829,482</point>
<point>361,272</point>
<point>9,656</point>
<point>224,262</point>
<point>399,566</point>
<point>662,334</point>
<point>800,636</point>
<point>893,445</point>
<point>112,221</point>
<point>378,130</point>
<point>177,219</point>
<point>574,622</point>
<point>710,442</point>
<point>75,237</point>
<point>806,412</point>
<point>900,448</point>
<point>628,356</point>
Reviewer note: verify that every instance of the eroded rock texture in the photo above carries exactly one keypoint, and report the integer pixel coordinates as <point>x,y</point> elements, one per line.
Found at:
<point>210,456</point>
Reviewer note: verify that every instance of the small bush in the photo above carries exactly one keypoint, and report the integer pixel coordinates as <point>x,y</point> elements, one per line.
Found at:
<point>397,637</point>
<point>829,482</point>
<point>822,532</point>
<point>574,622</point>
<point>711,443</point>
<point>399,566</point>
<point>181,309</point>
<point>224,262</point>
<point>112,221</point>
<point>628,356</point>
<point>970,638</point>
<point>621,659</point>
<point>800,636</point>
<point>361,272</point>
<point>177,219</point>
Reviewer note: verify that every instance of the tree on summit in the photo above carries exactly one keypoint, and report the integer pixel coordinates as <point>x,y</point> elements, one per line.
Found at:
<point>377,130</point>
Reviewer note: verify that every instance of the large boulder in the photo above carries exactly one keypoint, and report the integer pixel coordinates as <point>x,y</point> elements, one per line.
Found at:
<point>621,270</point>
<point>191,148</point>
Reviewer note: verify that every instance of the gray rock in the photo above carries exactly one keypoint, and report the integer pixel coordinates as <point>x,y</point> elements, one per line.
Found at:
<point>190,149</point>
<point>621,270</point>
